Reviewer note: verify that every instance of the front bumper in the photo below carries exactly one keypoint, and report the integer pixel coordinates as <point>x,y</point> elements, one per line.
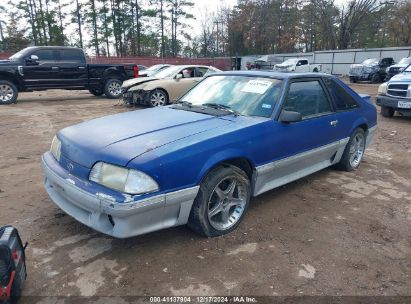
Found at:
<point>392,102</point>
<point>121,220</point>
<point>360,77</point>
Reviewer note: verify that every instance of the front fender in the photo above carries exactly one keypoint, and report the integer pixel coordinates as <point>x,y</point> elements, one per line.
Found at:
<point>221,157</point>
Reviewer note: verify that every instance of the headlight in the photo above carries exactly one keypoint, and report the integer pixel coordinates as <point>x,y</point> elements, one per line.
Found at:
<point>382,89</point>
<point>56,148</point>
<point>122,179</point>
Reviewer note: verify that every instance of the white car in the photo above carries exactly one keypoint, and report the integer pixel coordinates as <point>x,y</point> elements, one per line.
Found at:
<point>298,65</point>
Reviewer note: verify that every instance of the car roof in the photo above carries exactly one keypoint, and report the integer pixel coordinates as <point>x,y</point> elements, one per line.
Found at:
<point>272,74</point>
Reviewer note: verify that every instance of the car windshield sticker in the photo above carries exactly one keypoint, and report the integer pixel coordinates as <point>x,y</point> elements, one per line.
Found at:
<point>256,86</point>
<point>266,106</point>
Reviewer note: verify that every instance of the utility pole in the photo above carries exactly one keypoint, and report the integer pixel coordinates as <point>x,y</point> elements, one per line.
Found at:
<point>218,36</point>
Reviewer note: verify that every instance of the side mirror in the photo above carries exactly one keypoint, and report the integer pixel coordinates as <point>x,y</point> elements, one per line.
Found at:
<point>290,116</point>
<point>179,76</point>
<point>32,60</point>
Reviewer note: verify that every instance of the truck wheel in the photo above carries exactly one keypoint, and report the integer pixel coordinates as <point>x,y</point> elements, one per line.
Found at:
<point>353,80</point>
<point>112,89</point>
<point>315,70</point>
<point>354,151</point>
<point>387,111</point>
<point>221,202</point>
<point>375,78</point>
<point>8,92</point>
<point>158,98</point>
<point>96,92</point>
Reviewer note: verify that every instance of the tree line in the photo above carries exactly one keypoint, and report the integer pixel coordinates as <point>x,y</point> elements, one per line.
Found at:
<point>165,27</point>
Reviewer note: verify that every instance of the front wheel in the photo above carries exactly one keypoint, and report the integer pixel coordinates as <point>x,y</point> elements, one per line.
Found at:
<point>158,98</point>
<point>8,92</point>
<point>375,78</point>
<point>354,151</point>
<point>221,202</point>
<point>96,92</point>
<point>112,89</point>
<point>387,111</point>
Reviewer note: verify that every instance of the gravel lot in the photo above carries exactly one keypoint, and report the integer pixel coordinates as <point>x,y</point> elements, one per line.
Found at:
<point>332,233</point>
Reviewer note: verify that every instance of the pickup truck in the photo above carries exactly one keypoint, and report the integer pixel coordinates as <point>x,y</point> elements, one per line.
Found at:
<point>395,95</point>
<point>397,68</point>
<point>373,69</point>
<point>54,67</point>
<point>298,65</point>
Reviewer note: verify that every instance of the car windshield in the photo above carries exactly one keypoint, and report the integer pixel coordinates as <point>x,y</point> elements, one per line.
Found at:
<point>249,96</point>
<point>405,60</point>
<point>154,67</point>
<point>168,72</point>
<point>372,61</point>
<point>408,69</point>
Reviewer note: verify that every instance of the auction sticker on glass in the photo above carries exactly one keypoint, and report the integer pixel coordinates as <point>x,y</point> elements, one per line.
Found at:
<point>404,104</point>
<point>257,86</point>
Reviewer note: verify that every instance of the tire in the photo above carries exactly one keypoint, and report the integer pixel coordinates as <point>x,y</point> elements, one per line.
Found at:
<point>375,78</point>
<point>221,202</point>
<point>112,88</point>
<point>8,92</point>
<point>387,111</point>
<point>96,92</point>
<point>353,80</point>
<point>158,98</point>
<point>315,70</point>
<point>356,145</point>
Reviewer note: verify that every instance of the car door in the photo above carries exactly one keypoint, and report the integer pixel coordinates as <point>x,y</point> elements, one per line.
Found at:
<point>303,147</point>
<point>181,85</point>
<point>302,66</point>
<point>72,68</point>
<point>43,72</point>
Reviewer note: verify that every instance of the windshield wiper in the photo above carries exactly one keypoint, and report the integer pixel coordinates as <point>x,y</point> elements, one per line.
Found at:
<point>185,103</point>
<point>221,107</point>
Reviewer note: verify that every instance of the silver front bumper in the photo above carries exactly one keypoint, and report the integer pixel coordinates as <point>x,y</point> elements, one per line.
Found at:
<point>119,220</point>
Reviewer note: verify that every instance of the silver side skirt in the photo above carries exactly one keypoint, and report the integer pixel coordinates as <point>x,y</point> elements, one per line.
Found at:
<point>283,171</point>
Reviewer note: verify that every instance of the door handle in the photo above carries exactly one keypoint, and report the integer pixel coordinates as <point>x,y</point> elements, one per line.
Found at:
<point>81,68</point>
<point>55,68</point>
<point>334,123</point>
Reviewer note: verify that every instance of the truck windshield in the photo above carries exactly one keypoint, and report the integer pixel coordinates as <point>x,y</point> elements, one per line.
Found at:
<point>18,55</point>
<point>290,61</point>
<point>249,96</point>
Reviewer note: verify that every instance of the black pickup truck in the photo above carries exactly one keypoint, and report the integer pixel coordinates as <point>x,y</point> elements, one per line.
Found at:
<point>53,67</point>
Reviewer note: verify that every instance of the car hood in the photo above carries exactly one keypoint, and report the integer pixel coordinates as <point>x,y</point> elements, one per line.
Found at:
<point>401,77</point>
<point>135,81</point>
<point>283,65</point>
<point>120,138</point>
<point>5,62</point>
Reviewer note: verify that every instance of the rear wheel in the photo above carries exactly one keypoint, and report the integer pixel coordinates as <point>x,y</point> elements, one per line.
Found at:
<point>158,98</point>
<point>353,80</point>
<point>96,92</point>
<point>387,111</point>
<point>8,92</point>
<point>221,202</point>
<point>112,89</point>
<point>354,151</point>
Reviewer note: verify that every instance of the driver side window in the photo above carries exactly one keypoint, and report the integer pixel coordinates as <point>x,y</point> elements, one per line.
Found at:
<point>307,98</point>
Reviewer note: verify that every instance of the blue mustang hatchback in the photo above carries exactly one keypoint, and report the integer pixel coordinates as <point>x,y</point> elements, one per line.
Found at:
<point>198,162</point>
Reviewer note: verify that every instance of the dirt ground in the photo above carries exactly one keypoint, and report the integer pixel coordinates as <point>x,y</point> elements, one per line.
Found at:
<point>331,233</point>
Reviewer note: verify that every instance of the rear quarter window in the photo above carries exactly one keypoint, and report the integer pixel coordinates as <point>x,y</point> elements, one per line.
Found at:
<point>343,101</point>
<point>75,56</point>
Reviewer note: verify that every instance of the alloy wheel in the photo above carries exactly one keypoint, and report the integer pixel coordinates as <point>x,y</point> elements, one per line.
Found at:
<point>158,98</point>
<point>6,93</point>
<point>114,88</point>
<point>357,150</point>
<point>227,203</point>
